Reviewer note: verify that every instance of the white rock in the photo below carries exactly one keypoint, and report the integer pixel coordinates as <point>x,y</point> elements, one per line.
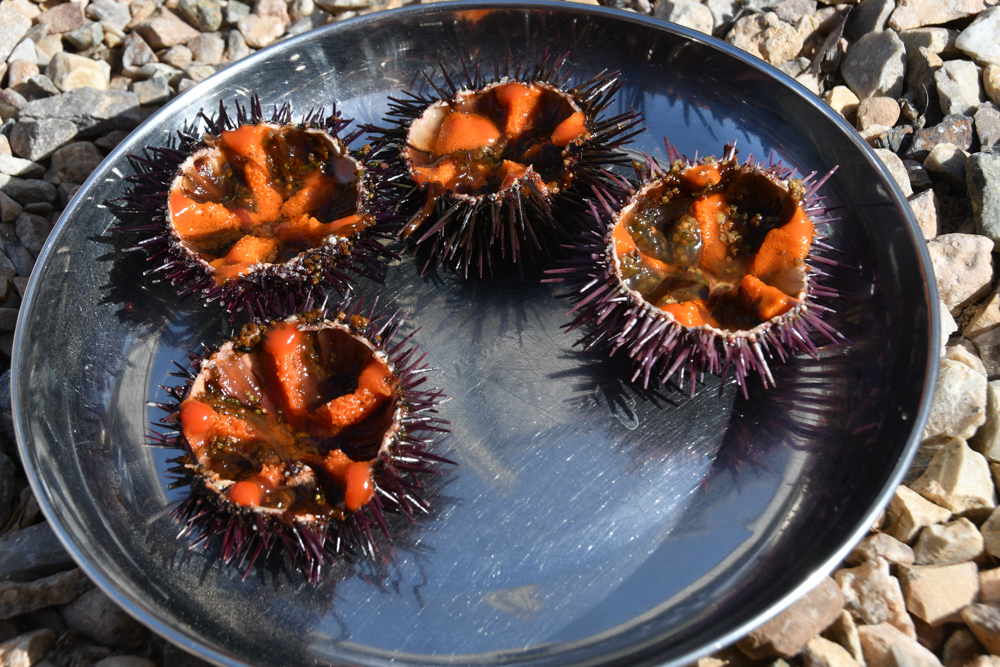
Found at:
<point>723,11</point>
<point>964,351</point>
<point>958,87</point>
<point>885,646</point>
<point>991,83</point>
<point>875,64</point>
<point>989,586</point>
<point>937,594</point>
<point>843,100</point>
<point>990,531</point>
<point>934,39</point>
<point>980,40</point>
<point>765,36</point>
<point>959,405</point>
<point>69,71</point>
<point>873,596</point>
<point>925,209</point>
<point>909,512</point>
<point>948,326</point>
<point>692,15</point>
<point>957,541</point>
<point>917,13</point>
<point>24,51</point>
<point>820,652</point>
<point>963,268</point>
<point>881,545</point>
<point>27,649</point>
<point>948,161</point>
<point>987,438</point>
<point>986,318</point>
<point>958,478</point>
<point>895,166</point>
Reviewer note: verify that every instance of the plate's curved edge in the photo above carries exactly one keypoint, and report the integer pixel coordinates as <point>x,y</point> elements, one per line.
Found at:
<point>138,610</point>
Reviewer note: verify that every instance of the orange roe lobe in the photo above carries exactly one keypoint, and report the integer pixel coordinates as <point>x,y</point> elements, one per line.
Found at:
<point>248,251</point>
<point>279,459</point>
<point>716,244</point>
<point>285,184</point>
<point>465,132</point>
<point>483,142</point>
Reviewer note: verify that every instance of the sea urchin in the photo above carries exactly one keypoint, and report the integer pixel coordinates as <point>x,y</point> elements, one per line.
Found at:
<point>301,433</point>
<point>485,166</point>
<point>706,267</point>
<point>260,213</point>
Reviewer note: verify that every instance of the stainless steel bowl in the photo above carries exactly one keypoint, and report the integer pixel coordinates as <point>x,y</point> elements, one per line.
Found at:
<point>589,522</point>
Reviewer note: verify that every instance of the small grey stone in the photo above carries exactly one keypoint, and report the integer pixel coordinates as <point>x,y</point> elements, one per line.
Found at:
<point>92,111</point>
<point>37,87</point>
<point>948,161</point>
<point>205,15</point>
<point>110,12</point>
<point>164,29</point>
<point>297,27</point>
<point>896,169</point>
<point>28,190</point>
<point>39,207</point>
<point>869,16</point>
<point>689,14</point>
<point>921,91</point>
<point>299,9</point>
<point>73,163</point>
<point>9,209</point>
<point>983,179</point>
<point>199,71</point>
<point>207,48</point>
<point>25,50</point>
<point>938,40</point>
<point>874,65</point>
<point>11,103</point>
<point>236,46</point>
<point>32,552</point>
<point>979,40</point>
<point>14,166</point>
<point>988,125</point>
<point>918,175</point>
<point>21,598</point>
<point>95,615</point>
<point>20,258</point>
<point>135,53</point>
<point>917,13</point>
<point>185,84</point>
<point>795,67</point>
<point>13,26</point>
<point>235,11</point>
<point>34,139</point>
<point>954,129</point>
<point>32,231</point>
<point>66,192</point>
<point>958,87</point>
<point>63,18</point>
<point>86,36</point>
<point>151,70</point>
<point>723,11</point>
<point>152,91</point>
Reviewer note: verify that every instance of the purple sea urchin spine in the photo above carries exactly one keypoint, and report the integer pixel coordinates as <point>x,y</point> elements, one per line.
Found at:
<point>659,346</point>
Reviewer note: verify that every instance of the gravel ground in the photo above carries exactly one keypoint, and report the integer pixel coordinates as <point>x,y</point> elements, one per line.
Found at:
<point>919,79</point>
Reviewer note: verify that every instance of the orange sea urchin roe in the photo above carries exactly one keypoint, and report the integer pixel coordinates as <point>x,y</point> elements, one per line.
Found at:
<point>294,425</point>
<point>716,244</point>
<point>483,142</point>
<point>263,194</point>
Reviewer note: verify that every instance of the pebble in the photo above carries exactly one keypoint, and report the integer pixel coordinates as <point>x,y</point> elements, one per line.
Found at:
<point>207,48</point>
<point>990,531</point>
<point>961,647</point>
<point>881,545</point>
<point>936,594</point>
<point>37,87</point>
<point>957,541</point>
<point>874,65</point>
<point>27,190</point>
<point>788,632</point>
<point>989,586</point>
<point>86,36</point>
<point>765,36</point>
<point>35,139</point>
<point>178,56</point>
<point>896,169</point>
<point>260,31</point>
<point>909,512</point>
<point>73,163</point>
<point>916,13</point>
<point>958,478</point>
<point>991,83</point>
<point>69,71</point>
<point>987,123</point>
<point>124,661</point>
<point>92,111</point>
<point>955,129</point>
<point>979,40</point>
<point>963,268</point>
<point>95,615</point>
<point>13,26</point>
<point>27,649</point>
<point>924,207</point>
<point>844,632</point>
<point>983,179</point>
<point>958,87</point>
<point>936,40</point>
<point>873,596</point>
<point>64,17</point>
<point>164,29</point>
<point>692,15</point>
<point>135,53</point>
<point>236,47</point>
<point>885,646</point>
<point>155,90</point>
<point>877,111</point>
<point>9,209</point>
<point>234,11</point>
<point>984,622</point>
<point>17,598</point>
<point>25,50</point>
<point>279,10</point>
<point>32,230</point>
<point>205,15</point>
<point>820,652</point>
<point>109,13</point>
<point>14,166</point>
<point>869,16</point>
<point>20,258</point>
<point>947,161</point>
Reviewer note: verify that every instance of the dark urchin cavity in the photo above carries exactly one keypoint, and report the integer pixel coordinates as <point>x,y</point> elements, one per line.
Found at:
<point>684,324</point>
<point>265,479</point>
<point>509,214</point>
<point>265,287</point>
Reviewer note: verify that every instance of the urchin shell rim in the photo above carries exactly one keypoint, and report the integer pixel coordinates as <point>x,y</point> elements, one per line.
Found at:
<point>523,182</point>
<point>601,150</point>
<point>259,293</point>
<point>691,350</point>
<point>310,545</point>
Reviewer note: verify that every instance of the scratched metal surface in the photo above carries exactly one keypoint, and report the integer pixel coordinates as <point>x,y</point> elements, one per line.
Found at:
<point>587,521</point>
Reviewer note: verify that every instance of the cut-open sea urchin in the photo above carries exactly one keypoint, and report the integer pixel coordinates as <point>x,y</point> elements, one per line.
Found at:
<point>709,266</point>
<point>299,434</point>
<point>485,167</point>
<point>260,213</point>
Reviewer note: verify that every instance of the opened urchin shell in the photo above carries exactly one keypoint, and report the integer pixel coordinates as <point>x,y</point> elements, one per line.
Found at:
<point>519,195</point>
<point>267,472</point>
<point>661,343</point>
<point>270,285</point>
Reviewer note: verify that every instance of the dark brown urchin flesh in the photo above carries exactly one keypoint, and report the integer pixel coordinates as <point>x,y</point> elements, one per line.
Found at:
<point>497,169</point>
<point>204,224</point>
<point>707,267</point>
<point>299,435</point>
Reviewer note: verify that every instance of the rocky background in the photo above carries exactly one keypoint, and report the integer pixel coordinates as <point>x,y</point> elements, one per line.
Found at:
<point>919,79</point>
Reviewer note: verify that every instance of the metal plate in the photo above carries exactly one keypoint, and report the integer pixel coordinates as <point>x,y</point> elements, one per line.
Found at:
<point>588,521</point>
